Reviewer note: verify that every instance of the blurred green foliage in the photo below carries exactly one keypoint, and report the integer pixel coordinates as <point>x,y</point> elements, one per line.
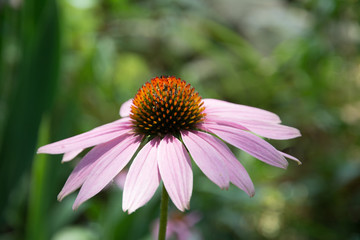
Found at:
<point>66,66</point>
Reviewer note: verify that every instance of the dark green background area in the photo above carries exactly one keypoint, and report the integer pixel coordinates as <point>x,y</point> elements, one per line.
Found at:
<point>67,66</point>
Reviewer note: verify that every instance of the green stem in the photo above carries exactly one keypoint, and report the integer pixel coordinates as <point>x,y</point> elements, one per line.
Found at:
<point>163,214</point>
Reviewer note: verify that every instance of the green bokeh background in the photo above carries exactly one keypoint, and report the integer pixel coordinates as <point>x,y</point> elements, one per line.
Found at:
<point>67,65</point>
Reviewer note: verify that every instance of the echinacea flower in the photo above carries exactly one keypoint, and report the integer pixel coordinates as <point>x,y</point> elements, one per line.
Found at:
<point>179,225</point>
<point>165,124</point>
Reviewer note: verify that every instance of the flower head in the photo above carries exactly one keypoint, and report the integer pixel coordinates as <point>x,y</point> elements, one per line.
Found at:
<point>172,121</point>
<point>166,106</point>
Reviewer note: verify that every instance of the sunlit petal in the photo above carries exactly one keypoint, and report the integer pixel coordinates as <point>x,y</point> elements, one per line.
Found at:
<point>143,177</point>
<point>207,156</point>
<point>175,170</point>
<point>106,168</point>
<point>125,108</point>
<point>249,143</point>
<point>91,138</point>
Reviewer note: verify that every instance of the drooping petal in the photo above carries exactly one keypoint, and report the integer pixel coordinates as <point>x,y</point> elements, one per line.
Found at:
<point>175,170</point>
<point>249,143</point>
<point>68,156</point>
<point>85,166</point>
<point>290,157</point>
<point>143,177</point>
<point>106,168</point>
<point>227,109</point>
<point>262,128</point>
<point>125,108</point>
<point>207,155</point>
<point>91,138</point>
<point>237,173</point>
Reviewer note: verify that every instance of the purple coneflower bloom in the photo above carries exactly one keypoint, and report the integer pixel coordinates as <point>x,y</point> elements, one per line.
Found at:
<point>167,122</point>
<point>179,225</point>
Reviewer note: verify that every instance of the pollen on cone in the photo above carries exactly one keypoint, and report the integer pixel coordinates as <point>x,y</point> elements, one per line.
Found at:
<point>164,99</point>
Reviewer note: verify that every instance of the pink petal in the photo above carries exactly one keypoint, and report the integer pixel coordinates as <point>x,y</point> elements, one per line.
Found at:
<point>249,143</point>
<point>85,166</point>
<point>182,230</point>
<point>91,138</point>
<point>126,108</point>
<point>143,177</point>
<point>120,178</point>
<point>68,156</point>
<point>192,218</point>
<point>207,155</point>
<point>237,173</point>
<point>262,128</point>
<point>175,170</point>
<point>290,157</point>
<point>227,109</point>
<point>107,167</point>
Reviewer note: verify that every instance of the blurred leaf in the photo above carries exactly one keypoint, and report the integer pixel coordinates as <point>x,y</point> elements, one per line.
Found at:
<point>32,92</point>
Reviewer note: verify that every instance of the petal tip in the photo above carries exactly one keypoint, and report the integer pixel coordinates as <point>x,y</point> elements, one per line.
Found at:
<point>284,166</point>
<point>125,108</point>
<point>225,186</point>
<point>250,191</point>
<point>186,206</point>
<point>124,208</point>
<point>61,196</point>
<point>297,161</point>
<point>75,206</point>
<point>297,134</point>
<point>78,202</point>
<point>130,210</point>
<point>182,208</point>
<point>40,150</point>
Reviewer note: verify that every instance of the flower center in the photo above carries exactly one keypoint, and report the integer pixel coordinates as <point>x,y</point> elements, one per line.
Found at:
<point>166,105</point>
